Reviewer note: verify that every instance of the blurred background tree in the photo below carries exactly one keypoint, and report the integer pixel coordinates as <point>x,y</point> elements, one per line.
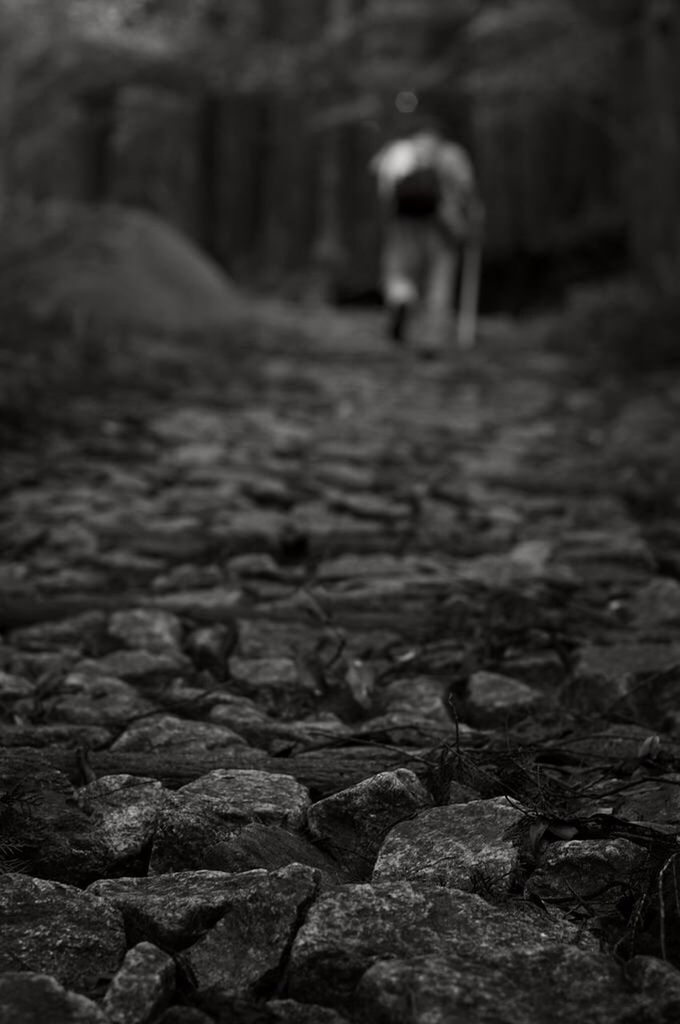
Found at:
<point>249,125</point>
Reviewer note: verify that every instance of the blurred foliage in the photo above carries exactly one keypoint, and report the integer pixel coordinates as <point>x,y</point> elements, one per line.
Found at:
<point>343,61</point>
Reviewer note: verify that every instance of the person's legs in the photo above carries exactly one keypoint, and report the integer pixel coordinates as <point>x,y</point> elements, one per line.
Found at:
<point>439,292</point>
<point>400,275</point>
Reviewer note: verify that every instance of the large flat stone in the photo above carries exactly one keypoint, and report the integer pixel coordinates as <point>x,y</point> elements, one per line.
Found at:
<point>352,926</point>
<point>561,984</point>
<point>247,945</point>
<point>354,822</point>
<point>461,845</point>
<point>74,936</point>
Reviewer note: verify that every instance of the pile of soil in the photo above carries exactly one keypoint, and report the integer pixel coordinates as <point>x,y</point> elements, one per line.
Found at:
<point>108,268</point>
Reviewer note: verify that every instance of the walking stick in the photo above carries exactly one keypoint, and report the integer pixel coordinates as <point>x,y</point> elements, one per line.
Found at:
<point>469,292</point>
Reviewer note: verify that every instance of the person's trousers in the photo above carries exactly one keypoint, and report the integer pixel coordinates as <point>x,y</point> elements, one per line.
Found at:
<point>419,269</point>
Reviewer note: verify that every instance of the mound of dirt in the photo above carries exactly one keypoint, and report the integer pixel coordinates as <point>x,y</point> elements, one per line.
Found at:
<point>112,267</point>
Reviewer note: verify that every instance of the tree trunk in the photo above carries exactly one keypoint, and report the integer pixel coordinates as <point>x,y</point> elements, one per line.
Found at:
<point>99,127</point>
<point>8,73</point>
<point>209,125</point>
<point>328,251</point>
<point>652,160</point>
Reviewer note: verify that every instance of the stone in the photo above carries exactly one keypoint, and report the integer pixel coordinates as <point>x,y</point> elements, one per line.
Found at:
<point>78,631</point>
<point>185,1015</point>
<point>123,811</point>
<point>254,674</point>
<point>55,735</point>
<point>288,1011</point>
<point>90,698</point>
<point>28,997</point>
<point>142,987</point>
<point>542,670</point>
<point>655,802</point>
<point>174,910</point>
<point>74,936</point>
<point>150,629</point>
<point>463,846</point>
<point>46,831</point>
<point>403,728</point>
<point>354,822</point>
<point>14,687</point>
<point>608,677</point>
<point>511,986</point>
<point>209,604</point>
<point>143,668</point>
<point>494,700</point>
<point>249,795</point>
<point>268,846</point>
<point>656,604</point>
<point>422,696</point>
<point>260,638</point>
<point>596,873</point>
<point>350,927</point>
<point>246,947</point>
<point>172,734</point>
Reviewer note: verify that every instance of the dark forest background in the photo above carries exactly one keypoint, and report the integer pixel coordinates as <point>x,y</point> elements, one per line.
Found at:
<point>249,125</point>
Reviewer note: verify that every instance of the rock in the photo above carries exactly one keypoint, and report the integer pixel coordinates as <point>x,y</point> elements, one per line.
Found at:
<point>610,677</point>
<point>248,795</point>
<point>71,735</point>
<point>258,638</point>
<point>13,688</point>
<point>352,926</point>
<point>28,997</point>
<point>611,743</point>
<point>143,668</point>
<point>244,950</point>
<point>421,696</point>
<point>404,728</point>
<point>208,604</point>
<point>188,829</point>
<point>288,1011</point>
<point>170,733</point>
<point>542,670</point>
<point>494,700</point>
<point>90,698</point>
<point>656,604</point>
<point>354,822</point>
<point>255,674</point>
<point>78,632</point>
<point>270,847</point>
<point>142,987</point>
<point>461,845</point>
<point>56,929</point>
<point>510,986</point>
<point>46,831</point>
<point>605,554</point>
<point>656,802</point>
<point>149,629</point>
<point>596,873</point>
<point>124,811</point>
<point>174,910</point>
<point>185,1015</point>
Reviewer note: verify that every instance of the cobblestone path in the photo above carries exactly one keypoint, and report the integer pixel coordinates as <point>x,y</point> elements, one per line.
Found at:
<point>337,684</point>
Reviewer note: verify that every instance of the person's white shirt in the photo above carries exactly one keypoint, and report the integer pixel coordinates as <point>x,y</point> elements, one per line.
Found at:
<point>396,160</point>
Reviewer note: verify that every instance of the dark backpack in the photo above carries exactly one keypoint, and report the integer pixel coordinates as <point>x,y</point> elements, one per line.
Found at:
<point>418,194</point>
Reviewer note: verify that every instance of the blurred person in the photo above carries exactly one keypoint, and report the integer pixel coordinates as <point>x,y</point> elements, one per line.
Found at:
<point>432,218</point>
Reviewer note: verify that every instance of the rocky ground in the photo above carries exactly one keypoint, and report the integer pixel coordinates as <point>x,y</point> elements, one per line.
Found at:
<point>336,685</point>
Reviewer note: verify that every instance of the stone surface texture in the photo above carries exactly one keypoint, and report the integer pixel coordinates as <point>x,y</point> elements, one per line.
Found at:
<point>337,686</point>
